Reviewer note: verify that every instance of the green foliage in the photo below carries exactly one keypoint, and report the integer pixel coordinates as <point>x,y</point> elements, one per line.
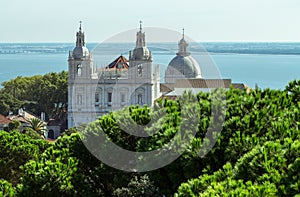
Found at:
<point>38,126</point>
<point>16,149</point>
<point>8,103</point>
<point>294,88</point>
<point>255,154</point>
<point>49,178</point>
<point>32,133</point>
<point>256,126</point>
<point>6,189</point>
<point>268,170</point>
<point>221,183</point>
<point>252,119</point>
<point>67,168</point>
<point>14,125</point>
<point>47,93</point>
<point>138,186</point>
<point>273,162</point>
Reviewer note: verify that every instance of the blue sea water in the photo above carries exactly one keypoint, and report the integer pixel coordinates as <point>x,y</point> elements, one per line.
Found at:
<point>269,65</point>
<point>267,71</point>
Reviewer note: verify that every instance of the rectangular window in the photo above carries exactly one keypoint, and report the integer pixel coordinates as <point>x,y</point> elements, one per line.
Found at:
<point>109,97</point>
<point>97,97</point>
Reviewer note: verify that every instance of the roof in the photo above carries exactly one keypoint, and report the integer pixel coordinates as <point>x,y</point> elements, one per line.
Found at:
<point>23,117</point>
<point>179,91</point>
<point>238,85</point>
<point>119,63</point>
<point>169,97</point>
<point>80,52</point>
<point>185,65</point>
<point>241,86</point>
<point>198,83</point>
<point>140,53</point>
<point>173,90</point>
<point>3,120</point>
<point>166,87</point>
<point>18,118</point>
<point>202,83</point>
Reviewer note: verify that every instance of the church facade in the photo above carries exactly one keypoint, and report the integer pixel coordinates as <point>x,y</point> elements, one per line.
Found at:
<point>93,92</point>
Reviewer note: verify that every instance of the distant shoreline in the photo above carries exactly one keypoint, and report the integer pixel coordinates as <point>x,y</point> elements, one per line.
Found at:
<point>214,48</point>
<point>266,64</point>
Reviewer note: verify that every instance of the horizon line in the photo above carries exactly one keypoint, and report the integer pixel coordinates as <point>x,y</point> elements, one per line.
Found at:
<point>209,41</point>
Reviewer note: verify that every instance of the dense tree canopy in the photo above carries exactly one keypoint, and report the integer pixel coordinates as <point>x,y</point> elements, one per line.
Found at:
<point>16,149</point>
<point>8,103</point>
<point>47,93</point>
<point>256,153</point>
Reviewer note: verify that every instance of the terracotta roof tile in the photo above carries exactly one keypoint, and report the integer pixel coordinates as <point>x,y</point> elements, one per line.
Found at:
<point>238,85</point>
<point>22,118</point>
<point>4,120</point>
<point>166,87</point>
<point>121,59</point>
<point>202,83</point>
<point>169,97</point>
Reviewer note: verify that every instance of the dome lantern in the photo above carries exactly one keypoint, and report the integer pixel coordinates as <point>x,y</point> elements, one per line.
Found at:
<point>183,46</point>
<point>183,65</point>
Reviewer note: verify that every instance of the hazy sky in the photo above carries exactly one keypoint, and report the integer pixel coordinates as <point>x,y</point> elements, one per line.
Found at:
<point>203,20</point>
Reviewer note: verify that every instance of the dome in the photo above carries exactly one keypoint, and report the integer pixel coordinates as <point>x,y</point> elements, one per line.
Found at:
<point>141,53</point>
<point>80,52</point>
<point>182,67</point>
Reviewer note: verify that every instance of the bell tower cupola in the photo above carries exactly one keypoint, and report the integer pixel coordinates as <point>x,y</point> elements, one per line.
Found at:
<point>80,59</point>
<point>140,52</point>
<point>80,51</point>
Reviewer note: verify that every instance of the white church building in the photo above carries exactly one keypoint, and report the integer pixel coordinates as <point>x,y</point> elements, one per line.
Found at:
<point>93,92</point>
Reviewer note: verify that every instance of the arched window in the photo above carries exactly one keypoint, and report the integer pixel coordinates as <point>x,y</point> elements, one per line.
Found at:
<point>79,99</point>
<point>79,70</point>
<point>139,96</point>
<point>140,99</point>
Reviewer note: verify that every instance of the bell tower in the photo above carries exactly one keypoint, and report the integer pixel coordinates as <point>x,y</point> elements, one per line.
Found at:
<point>140,59</point>
<point>80,60</point>
<point>143,76</point>
<point>80,67</point>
